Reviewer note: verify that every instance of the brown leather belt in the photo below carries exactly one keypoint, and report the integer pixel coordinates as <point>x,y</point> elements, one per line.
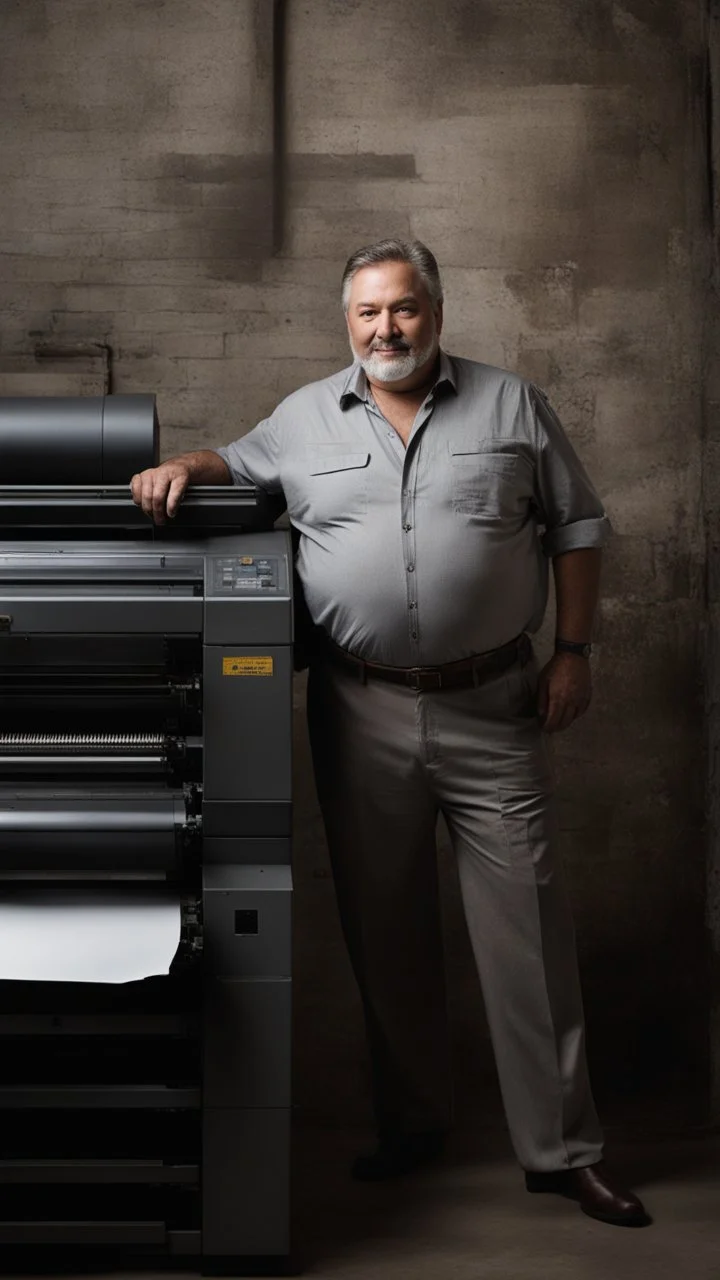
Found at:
<point>451,675</point>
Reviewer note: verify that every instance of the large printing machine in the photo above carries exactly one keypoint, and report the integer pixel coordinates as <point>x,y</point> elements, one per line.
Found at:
<point>145,748</point>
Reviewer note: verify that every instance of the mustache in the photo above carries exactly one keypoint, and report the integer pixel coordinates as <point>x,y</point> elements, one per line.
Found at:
<point>398,345</point>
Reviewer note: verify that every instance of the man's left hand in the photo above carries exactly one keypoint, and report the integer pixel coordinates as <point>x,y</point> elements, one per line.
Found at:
<point>564,691</point>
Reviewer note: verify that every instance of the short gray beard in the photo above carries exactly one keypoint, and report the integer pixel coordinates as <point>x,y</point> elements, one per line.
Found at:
<point>381,369</point>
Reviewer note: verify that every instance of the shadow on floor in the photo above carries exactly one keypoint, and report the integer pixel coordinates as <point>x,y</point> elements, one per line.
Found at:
<point>470,1216</point>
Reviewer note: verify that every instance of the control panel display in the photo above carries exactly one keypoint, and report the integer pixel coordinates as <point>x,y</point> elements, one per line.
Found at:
<point>235,575</point>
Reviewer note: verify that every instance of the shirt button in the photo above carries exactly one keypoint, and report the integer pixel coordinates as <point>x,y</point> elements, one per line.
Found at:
<point>407,527</point>
<point>414,635</point>
<point>410,568</point>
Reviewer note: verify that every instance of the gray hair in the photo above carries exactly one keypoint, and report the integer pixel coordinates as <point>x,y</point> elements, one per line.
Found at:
<point>414,252</point>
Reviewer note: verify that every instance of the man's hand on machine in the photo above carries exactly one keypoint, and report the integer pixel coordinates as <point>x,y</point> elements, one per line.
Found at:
<point>160,490</point>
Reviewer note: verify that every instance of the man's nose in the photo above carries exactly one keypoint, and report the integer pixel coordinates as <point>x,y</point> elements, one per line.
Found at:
<point>386,326</point>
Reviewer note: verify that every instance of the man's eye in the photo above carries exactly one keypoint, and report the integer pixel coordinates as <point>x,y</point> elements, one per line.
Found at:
<point>366,314</point>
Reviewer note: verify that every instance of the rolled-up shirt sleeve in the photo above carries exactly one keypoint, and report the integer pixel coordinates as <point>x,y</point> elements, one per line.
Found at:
<point>255,458</point>
<point>568,505</point>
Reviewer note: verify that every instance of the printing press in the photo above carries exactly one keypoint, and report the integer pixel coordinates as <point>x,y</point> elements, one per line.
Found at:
<point>145,765</point>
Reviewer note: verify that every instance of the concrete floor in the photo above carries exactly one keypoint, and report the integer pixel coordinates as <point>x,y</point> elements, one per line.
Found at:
<point>470,1218</point>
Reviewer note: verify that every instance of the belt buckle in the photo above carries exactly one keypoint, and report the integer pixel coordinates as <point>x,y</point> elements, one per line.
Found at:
<point>417,677</point>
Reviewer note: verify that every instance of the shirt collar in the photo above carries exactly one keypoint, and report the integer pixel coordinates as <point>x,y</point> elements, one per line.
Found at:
<point>356,384</point>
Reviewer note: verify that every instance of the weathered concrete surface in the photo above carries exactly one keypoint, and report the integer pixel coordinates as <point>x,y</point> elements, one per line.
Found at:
<point>471,1217</point>
<point>711,505</point>
<point>552,155</point>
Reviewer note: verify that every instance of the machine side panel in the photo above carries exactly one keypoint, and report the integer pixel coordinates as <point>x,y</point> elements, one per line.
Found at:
<point>246,1181</point>
<point>247,1023</point>
<point>249,1065</point>
<point>264,621</point>
<point>261,851</point>
<point>247,932</point>
<point>247,722</point>
<point>229,818</point>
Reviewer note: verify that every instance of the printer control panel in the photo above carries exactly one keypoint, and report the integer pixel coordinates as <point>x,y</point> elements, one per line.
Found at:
<point>236,575</point>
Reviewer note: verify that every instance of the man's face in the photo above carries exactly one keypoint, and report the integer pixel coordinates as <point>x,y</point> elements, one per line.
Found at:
<point>392,326</point>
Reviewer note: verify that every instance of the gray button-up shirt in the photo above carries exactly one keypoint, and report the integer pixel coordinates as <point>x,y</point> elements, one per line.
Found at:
<point>423,555</point>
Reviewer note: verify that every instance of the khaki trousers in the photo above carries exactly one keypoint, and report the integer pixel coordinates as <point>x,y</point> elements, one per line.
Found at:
<point>387,761</point>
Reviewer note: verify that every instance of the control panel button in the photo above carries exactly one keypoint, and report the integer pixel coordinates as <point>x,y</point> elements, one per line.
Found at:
<point>237,575</point>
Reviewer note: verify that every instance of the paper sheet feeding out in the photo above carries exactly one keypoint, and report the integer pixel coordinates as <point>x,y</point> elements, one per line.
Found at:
<point>86,935</point>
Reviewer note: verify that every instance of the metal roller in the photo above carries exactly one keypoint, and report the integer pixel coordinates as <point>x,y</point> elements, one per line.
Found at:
<point>76,440</point>
<point>89,744</point>
<point>58,816</point>
<point>89,752</point>
<point>125,834</point>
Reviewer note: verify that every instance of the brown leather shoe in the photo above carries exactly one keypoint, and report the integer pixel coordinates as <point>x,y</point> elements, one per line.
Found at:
<point>596,1192</point>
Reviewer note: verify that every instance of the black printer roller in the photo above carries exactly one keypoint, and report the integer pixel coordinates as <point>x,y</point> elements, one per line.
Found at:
<point>126,832</point>
<point>76,440</point>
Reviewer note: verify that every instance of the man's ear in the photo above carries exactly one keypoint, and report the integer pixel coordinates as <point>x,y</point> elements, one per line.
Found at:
<point>439,317</point>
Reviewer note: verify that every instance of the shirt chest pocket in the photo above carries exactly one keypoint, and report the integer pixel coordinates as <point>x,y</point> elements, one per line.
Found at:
<point>337,485</point>
<point>483,480</point>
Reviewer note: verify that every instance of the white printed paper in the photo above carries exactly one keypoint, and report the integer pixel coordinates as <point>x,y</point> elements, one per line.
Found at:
<point>87,935</point>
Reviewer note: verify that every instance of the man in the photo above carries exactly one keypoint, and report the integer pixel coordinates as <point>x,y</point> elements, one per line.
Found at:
<point>428,493</point>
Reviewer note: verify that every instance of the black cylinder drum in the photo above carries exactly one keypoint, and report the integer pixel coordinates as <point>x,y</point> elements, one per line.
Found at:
<point>76,440</point>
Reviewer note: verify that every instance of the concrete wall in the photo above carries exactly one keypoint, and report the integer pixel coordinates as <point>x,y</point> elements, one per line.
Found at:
<point>711,503</point>
<point>552,154</point>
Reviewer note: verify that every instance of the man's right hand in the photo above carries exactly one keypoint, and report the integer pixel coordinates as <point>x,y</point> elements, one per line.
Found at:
<point>160,490</point>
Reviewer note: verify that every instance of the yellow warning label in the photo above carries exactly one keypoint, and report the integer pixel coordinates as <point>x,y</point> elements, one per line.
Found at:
<point>246,666</point>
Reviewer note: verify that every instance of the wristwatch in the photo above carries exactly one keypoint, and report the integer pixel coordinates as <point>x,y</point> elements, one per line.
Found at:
<point>570,646</point>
